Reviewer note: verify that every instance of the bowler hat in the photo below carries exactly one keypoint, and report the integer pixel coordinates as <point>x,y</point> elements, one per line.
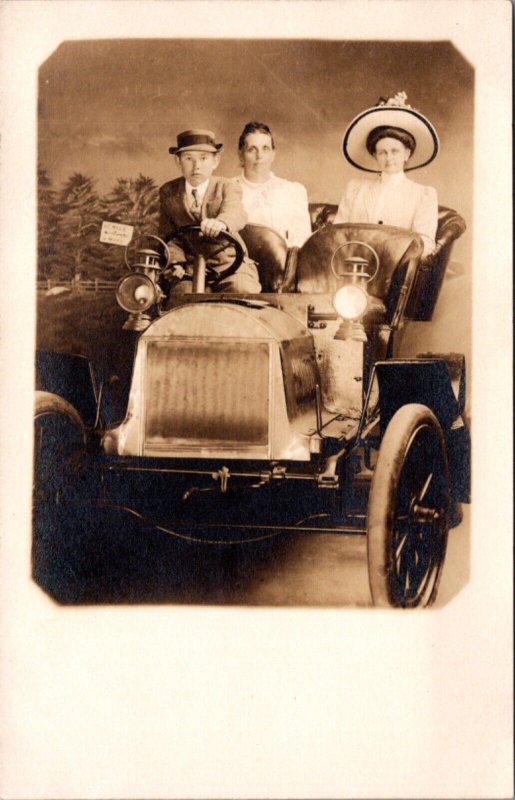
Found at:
<point>196,139</point>
<point>403,118</point>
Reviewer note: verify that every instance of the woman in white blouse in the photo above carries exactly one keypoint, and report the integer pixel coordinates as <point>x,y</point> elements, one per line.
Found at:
<point>391,139</point>
<point>269,200</point>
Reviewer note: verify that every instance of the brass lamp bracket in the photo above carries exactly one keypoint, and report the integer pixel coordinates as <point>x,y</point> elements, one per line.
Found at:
<point>317,319</point>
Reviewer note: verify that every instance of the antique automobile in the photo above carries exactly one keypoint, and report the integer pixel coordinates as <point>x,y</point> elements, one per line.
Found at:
<point>287,411</point>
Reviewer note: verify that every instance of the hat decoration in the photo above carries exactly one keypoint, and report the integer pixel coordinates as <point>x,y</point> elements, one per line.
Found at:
<point>390,113</point>
<point>196,139</point>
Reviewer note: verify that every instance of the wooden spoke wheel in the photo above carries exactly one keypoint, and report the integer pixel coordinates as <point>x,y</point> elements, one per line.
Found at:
<point>408,511</point>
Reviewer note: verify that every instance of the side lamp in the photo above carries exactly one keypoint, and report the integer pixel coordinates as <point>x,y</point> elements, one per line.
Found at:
<point>138,291</point>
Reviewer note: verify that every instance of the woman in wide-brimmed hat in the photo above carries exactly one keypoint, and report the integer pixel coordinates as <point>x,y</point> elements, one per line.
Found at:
<point>391,139</point>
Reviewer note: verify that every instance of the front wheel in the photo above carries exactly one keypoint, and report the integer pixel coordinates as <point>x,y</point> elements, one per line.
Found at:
<point>60,487</point>
<point>408,511</point>
<point>58,447</point>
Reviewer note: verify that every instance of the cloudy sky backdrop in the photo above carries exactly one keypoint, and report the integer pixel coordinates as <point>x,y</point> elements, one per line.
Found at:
<point>112,108</point>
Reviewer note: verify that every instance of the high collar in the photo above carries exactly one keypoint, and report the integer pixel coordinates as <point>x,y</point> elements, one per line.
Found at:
<point>392,180</point>
<point>256,184</point>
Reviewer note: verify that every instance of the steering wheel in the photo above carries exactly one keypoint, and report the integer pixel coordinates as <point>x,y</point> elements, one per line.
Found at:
<point>196,244</point>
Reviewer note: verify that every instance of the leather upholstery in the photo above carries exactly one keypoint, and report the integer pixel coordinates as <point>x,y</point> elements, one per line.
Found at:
<point>270,252</point>
<point>321,214</point>
<point>278,266</point>
<point>431,270</point>
<point>398,251</point>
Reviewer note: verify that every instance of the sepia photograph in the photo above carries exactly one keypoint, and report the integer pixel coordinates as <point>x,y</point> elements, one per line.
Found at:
<point>256,538</point>
<point>253,392</point>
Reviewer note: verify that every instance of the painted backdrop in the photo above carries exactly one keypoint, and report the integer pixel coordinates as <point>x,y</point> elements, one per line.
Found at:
<point>111,108</point>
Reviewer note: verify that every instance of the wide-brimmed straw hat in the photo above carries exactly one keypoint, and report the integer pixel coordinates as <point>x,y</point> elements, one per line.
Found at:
<point>402,117</point>
<point>196,139</point>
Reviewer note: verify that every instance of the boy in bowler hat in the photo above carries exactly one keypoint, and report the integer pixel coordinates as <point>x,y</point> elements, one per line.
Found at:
<point>213,203</point>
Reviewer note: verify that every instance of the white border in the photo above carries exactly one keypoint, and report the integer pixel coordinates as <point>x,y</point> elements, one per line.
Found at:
<point>164,702</point>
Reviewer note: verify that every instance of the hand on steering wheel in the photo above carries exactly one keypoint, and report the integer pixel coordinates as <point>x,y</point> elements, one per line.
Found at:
<point>197,243</point>
<point>212,227</point>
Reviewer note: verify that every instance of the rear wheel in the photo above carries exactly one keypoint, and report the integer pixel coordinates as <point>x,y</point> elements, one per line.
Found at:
<point>408,511</point>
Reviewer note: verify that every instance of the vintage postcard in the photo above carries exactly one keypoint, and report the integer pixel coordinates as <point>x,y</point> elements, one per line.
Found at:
<point>256,525</point>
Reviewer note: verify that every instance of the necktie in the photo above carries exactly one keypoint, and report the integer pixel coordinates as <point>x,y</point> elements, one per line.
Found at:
<point>195,208</point>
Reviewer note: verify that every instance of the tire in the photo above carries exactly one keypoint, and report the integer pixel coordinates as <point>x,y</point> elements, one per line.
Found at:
<point>59,490</point>
<point>408,510</point>
<point>59,439</point>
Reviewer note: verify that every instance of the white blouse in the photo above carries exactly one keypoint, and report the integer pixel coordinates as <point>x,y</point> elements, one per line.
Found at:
<point>279,204</point>
<point>392,200</point>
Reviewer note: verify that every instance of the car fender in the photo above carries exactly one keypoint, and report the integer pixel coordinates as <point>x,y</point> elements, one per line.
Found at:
<point>438,382</point>
<point>71,379</point>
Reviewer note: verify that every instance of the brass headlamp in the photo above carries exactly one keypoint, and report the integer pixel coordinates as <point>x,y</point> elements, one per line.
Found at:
<point>138,291</point>
<point>351,299</point>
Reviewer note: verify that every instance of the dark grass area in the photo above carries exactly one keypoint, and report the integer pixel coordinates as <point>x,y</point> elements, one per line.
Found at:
<point>90,325</point>
<point>87,324</point>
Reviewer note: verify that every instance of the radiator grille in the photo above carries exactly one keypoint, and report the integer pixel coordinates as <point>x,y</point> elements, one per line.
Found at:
<point>207,392</point>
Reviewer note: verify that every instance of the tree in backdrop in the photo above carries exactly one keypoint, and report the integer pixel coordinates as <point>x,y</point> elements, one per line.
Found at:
<point>134,201</point>
<point>79,210</point>
<point>69,224</point>
<point>47,225</point>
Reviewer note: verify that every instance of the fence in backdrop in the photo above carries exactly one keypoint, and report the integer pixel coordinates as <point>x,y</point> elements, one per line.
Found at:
<point>95,285</point>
